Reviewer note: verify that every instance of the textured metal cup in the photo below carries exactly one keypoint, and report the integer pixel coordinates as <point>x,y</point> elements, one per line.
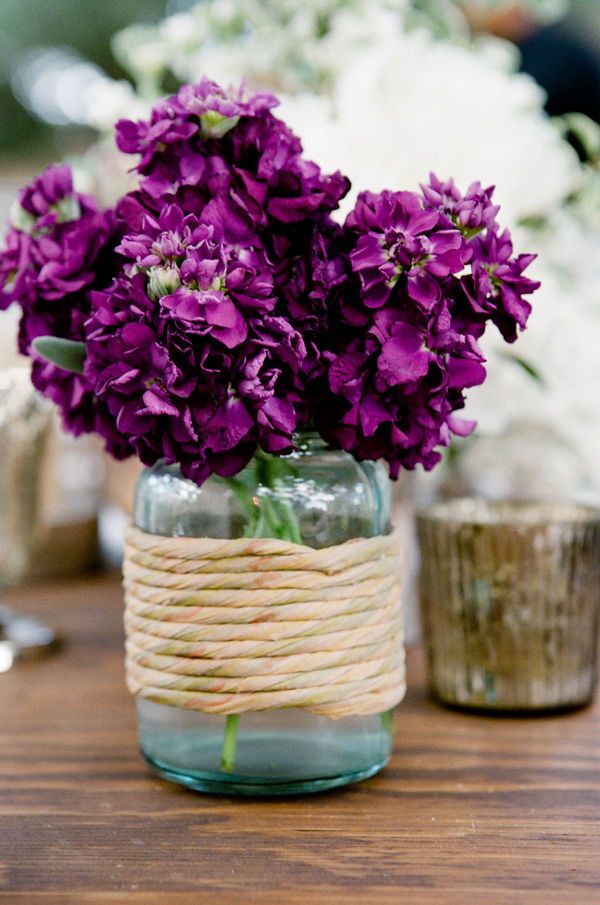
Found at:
<point>510,602</point>
<point>24,427</point>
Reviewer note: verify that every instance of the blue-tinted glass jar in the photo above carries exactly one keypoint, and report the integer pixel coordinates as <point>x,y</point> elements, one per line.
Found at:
<point>330,498</point>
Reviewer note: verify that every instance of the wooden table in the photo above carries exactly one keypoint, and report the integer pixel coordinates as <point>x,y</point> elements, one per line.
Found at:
<point>489,811</point>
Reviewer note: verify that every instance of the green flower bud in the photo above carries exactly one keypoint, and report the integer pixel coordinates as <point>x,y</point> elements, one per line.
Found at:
<point>162,281</point>
<point>215,125</point>
<point>21,219</point>
<point>68,209</point>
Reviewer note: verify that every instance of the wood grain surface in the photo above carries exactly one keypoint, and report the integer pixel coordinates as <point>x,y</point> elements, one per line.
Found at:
<point>483,810</point>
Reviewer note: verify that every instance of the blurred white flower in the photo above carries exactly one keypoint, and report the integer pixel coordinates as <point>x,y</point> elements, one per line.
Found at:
<point>108,100</point>
<point>374,96</point>
<point>561,344</point>
<point>9,328</point>
<point>409,104</point>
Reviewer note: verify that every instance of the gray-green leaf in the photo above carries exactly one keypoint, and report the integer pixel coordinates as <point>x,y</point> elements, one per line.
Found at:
<point>64,353</point>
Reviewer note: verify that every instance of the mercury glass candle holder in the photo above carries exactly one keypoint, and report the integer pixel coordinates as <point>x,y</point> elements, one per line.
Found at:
<point>24,427</point>
<point>510,602</point>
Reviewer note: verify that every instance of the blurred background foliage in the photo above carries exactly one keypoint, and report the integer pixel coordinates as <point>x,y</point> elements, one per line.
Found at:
<point>42,39</point>
<point>34,34</point>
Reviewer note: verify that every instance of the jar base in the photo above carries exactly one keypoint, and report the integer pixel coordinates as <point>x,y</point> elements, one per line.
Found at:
<point>230,784</point>
<point>277,752</point>
<point>482,708</point>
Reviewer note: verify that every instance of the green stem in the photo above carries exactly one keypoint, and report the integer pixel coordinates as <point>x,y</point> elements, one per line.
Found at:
<point>229,743</point>
<point>387,721</point>
<point>267,515</point>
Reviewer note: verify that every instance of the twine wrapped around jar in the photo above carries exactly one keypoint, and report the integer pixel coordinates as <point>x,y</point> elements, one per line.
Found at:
<point>229,626</point>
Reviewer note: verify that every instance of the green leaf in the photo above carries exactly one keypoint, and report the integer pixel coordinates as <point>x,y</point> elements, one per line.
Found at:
<point>64,353</point>
<point>586,131</point>
<point>525,365</point>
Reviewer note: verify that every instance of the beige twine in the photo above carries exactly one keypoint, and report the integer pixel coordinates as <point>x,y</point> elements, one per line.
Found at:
<point>228,626</point>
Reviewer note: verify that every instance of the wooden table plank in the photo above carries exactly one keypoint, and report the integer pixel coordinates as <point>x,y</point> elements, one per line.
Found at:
<point>471,809</point>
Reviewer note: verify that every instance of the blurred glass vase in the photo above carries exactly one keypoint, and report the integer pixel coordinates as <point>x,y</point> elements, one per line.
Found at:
<point>510,599</point>
<point>25,420</point>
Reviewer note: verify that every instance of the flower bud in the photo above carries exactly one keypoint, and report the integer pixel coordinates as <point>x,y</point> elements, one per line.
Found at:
<point>163,281</point>
<point>21,219</point>
<point>214,125</point>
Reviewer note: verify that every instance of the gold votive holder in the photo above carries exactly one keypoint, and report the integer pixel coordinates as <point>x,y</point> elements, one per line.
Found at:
<point>510,603</point>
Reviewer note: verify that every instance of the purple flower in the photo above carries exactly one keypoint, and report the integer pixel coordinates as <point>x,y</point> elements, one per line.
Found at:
<point>470,212</point>
<point>57,251</point>
<point>498,285</point>
<point>185,355</point>
<point>61,245</point>
<point>312,269</point>
<point>48,200</point>
<point>401,241</point>
<point>430,271</point>
<point>205,143</point>
<point>202,283</point>
<point>205,109</point>
<point>219,110</point>
<point>272,380</point>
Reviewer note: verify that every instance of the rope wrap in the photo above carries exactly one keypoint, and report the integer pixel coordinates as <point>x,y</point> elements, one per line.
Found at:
<point>229,626</point>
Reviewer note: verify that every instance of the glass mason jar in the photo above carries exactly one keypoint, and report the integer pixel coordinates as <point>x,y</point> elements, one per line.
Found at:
<point>510,602</point>
<point>323,497</point>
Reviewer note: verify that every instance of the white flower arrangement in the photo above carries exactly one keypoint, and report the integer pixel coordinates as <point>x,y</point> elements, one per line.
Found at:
<point>430,104</point>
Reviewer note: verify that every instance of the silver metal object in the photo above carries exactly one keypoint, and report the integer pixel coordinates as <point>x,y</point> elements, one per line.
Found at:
<point>23,638</point>
<point>510,600</point>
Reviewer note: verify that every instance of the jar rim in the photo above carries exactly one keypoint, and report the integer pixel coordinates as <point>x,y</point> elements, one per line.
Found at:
<point>310,437</point>
<point>524,513</point>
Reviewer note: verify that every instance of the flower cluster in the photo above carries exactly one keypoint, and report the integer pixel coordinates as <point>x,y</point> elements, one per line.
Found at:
<point>59,247</point>
<point>219,241</point>
<point>431,270</point>
<point>53,251</point>
<point>208,146</point>
<point>223,309</point>
<point>185,350</point>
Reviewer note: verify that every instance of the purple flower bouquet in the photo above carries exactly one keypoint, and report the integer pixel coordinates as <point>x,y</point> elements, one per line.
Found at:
<point>219,311</point>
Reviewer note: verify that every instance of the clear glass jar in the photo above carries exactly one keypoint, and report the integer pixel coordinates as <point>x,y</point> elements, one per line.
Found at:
<point>329,498</point>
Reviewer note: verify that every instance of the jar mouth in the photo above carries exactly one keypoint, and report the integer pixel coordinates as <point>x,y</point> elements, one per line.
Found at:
<point>309,439</point>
